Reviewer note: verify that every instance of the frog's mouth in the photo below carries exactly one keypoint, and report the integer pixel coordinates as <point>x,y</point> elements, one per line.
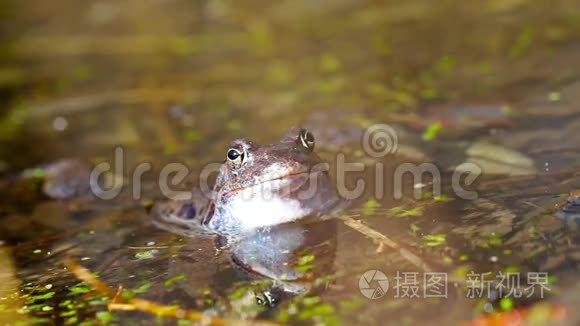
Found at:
<point>301,183</point>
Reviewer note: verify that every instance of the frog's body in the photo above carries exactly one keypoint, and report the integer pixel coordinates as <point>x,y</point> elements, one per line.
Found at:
<point>258,186</point>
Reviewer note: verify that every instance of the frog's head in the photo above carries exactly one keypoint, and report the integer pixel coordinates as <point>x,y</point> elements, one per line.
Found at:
<point>266,185</point>
<point>248,164</point>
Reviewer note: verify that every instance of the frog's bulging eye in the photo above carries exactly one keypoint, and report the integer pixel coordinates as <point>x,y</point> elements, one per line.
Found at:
<point>266,299</point>
<point>306,139</point>
<point>235,156</point>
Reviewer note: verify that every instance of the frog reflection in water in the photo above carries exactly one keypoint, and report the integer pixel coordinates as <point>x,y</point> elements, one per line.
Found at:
<point>257,186</point>
<point>268,265</point>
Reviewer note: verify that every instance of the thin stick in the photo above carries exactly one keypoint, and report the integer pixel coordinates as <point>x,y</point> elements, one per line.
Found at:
<point>381,238</point>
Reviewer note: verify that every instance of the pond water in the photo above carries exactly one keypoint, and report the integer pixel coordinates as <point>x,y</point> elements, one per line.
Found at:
<point>489,88</point>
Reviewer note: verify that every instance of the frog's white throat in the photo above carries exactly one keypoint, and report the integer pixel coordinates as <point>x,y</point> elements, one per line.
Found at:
<point>262,212</point>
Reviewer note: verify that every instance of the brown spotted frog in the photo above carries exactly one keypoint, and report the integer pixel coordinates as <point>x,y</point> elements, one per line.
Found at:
<point>257,186</point>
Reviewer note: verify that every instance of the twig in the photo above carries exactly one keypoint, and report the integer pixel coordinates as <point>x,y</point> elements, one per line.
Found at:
<point>381,238</point>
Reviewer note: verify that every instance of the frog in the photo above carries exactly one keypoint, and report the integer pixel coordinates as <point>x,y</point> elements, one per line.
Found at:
<point>258,186</point>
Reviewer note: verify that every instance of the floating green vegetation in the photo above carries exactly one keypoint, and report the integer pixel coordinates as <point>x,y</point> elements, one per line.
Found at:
<point>105,317</point>
<point>308,308</point>
<point>479,308</point>
<point>139,289</point>
<point>323,280</point>
<point>402,212</point>
<point>305,263</point>
<point>234,125</point>
<point>260,35</point>
<point>378,90</point>
<point>38,301</point>
<point>12,123</point>
<point>441,199</point>
<point>495,240</point>
<point>370,207</point>
<point>445,65</point>
<point>429,93</point>
<point>506,304</point>
<point>40,297</point>
<point>522,44</point>
<point>184,322</point>
<point>311,301</point>
<point>461,271</point>
<point>39,320</point>
<point>331,86</point>
<point>329,63</point>
<point>415,229</point>
<point>171,281</point>
<point>82,72</point>
<point>239,292</point>
<point>79,289</point>
<point>351,305</point>
<point>432,131</point>
<point>192,136</point>
<point>489,240</point>
<point>39,173</point>
<point>169,149</point>
<point>317,310</point>
<point>83,235</point>
<point>306,260</point>
<point>434,240</point>
<point>12,76</point>
<point>278,73</point>
<point>428,195</point>
<point>44,304</point>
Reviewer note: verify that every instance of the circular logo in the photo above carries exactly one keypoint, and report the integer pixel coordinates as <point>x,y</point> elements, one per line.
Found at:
<point>380,140</point>
<point>373,284</point>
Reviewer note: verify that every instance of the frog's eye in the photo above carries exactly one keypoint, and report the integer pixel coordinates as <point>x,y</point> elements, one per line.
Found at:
<point>306,139</point>
<point>260,301</point>
<point>235,156</point>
